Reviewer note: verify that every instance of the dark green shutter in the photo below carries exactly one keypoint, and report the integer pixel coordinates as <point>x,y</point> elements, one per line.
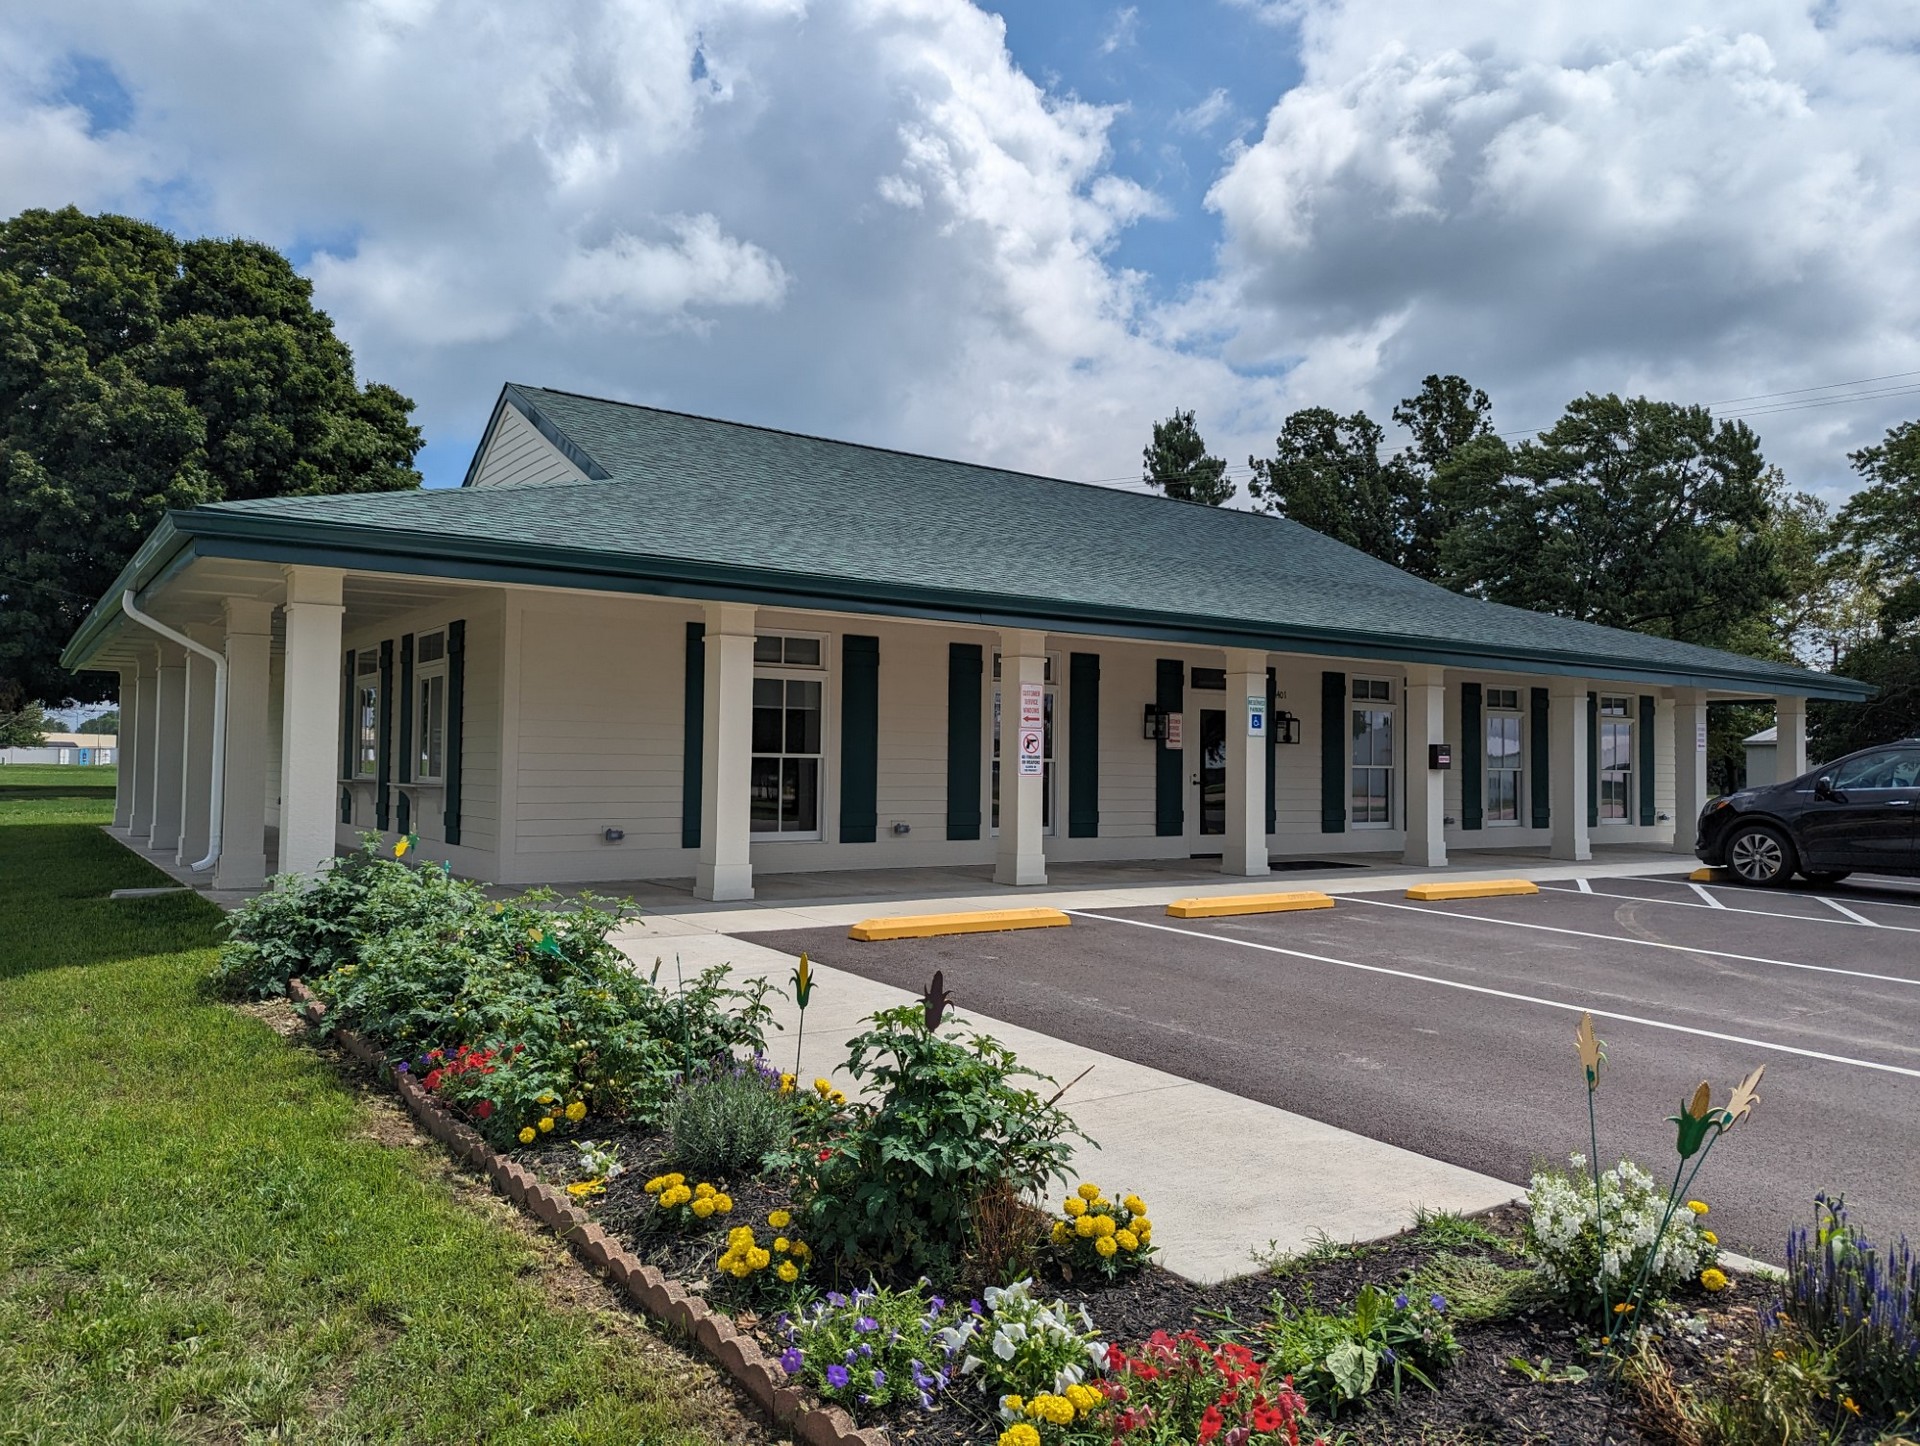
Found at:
<point>456,724</point>
<point>403,810</point>
<point>1473,749</point>
<point>1593,759</point>
<point>383,778</point>
<point>1273,699</point>
<point>963,740</point>
<point>1646,760</point>
<point>1083,745</point>
<point>1169,764</point>
<point>694,737</point>
<point>349,734</point>
<point>1542,777</point>
<point>859,738</point>
<point>1333,753</point>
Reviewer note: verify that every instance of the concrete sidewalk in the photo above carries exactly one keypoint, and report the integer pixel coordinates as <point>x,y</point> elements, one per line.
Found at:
<point>1223,1177</point>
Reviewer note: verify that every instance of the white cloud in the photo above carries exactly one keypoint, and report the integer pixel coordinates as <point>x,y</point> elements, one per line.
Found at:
<point>861,217</point>
<point>1123,32</point>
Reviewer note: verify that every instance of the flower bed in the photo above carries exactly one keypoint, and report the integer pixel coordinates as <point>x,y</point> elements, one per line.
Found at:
<point>876,1252</point>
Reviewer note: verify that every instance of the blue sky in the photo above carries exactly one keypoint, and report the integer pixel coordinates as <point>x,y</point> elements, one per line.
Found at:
<point>1021,237</point>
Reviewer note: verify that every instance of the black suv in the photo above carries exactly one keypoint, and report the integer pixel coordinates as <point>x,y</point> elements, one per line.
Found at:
<point>1859,812</point>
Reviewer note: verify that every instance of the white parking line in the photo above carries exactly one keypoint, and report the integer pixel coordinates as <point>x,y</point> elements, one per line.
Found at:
<point>1583,886</point>
<point>1712,903</point>
<point>1627,939</point>
<point>1840,908</point>
<point>1735,909</point>
<point>1796,894</point>
<point>1507,994</point>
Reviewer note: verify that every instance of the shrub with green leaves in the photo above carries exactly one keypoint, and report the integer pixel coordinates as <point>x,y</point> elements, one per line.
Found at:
<point>1336,1358</point>
<point>304,926</point>
<point>890,1180</point>
<point>725,1123</point>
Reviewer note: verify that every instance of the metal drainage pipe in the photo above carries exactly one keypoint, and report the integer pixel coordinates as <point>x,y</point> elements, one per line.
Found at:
<point>217,788</point>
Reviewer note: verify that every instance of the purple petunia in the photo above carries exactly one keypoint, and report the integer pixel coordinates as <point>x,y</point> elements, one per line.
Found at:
<point>1387,1355</point>
<point>837,1377</point>
<point>835,1299</point>
<point>791,1360</point>
<point>879,1378</point>
<point>936,1305</point>
<point>1400,1301</point>
<point>866,1325</point>
<point>1438,1302</point>
<point>866,1351</point>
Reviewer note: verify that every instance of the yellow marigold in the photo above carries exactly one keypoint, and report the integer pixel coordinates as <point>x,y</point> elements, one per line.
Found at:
<point>779,1219</point>
<point>1020,1434</point>
<point>786,1084</point>
<point>1013,1403</point>
<point>1103,1226</point>
<point>674,1178</point>
<point>1126,1240</point>
<point>788,1272</point>
<point>1698,1207</point>
<point>739,1236</point>
<point>722,1203</point>
<point>836,1098</point>
<point>1714,1278</point>
<point>702,1207</point>
<point>1135,1205</point>
<point>1709,1237</point>
<point>528,1135</point>
<point>1083,1227</point>
<point>580,1189</point>
<point>758,1258</point>
<point>1061,1233</point>
<point>802,1250</point>
<point>703,1191</point>
<point>1088,1191</point>
<point>1057,1410</point>
<point>1104,1245</point>
<point>546,1123</point>
<point>577,1111</point>
<point>824,1087</point>
<point>1143,1228</point>
<point>1084,1398</point>
<point>741,1270</point>
<point>1074,1205</point>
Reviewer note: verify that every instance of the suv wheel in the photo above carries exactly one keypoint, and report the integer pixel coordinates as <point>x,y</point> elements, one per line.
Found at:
<point>1759,854</point>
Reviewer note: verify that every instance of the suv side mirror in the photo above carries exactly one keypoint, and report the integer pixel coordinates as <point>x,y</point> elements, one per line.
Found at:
<point>1823,788</point>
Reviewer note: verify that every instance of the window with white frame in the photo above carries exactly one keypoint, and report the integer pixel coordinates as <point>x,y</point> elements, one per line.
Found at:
<point>367,703</point>
<point>1373,753</point>
<point>789,717</point>
<point>1616,757</point>
<point>430,706</point>
<point>1503,755</point>
<point>1046,747</point>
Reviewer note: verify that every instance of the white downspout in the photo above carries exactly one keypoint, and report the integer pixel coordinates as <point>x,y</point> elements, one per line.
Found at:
<point>217,789</point>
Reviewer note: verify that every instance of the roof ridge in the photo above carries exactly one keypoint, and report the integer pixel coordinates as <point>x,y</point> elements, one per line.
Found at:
<point>1015,472</point>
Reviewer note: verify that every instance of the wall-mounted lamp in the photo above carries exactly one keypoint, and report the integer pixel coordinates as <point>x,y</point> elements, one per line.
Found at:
<point>1286,728</point>
<point>1155,728</point>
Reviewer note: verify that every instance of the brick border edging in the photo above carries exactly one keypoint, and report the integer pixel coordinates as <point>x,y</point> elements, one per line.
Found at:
<point>738,1356</point>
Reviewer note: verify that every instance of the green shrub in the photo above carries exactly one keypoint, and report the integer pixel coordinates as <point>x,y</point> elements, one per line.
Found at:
<point>302,926</point>
<point>890,1181</point>
<point>724,1125</point>
<point>1336,1358</point>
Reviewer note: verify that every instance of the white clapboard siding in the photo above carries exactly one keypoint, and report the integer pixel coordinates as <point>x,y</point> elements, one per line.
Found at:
<point>518,455</point>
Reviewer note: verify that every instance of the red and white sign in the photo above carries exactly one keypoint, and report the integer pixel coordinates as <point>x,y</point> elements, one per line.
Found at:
<point>1033,702</point>
<point>1173,731</point>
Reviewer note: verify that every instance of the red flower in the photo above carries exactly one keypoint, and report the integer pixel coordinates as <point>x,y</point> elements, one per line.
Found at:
<point>483,1109</point>
<point>433,1079</point>
<point>1210,1424</point>
<point>826,1155</point>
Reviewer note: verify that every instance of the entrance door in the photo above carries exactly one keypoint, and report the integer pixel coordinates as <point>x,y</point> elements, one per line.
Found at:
<point>1209,779</point>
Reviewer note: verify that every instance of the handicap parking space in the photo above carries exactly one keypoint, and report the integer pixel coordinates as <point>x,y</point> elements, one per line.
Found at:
<point>1446,1028</point>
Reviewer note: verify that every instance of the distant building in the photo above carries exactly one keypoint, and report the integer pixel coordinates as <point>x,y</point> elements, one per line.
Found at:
<point>86,748</point>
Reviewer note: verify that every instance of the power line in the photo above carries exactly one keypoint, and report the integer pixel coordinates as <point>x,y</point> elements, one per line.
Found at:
<point>1863,381</point>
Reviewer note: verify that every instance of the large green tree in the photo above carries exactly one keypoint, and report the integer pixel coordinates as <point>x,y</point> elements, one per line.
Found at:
<point>1176,461</point>
<point>138,373</point>
<point>1327,473</point>
<point>1628,512</point>
<point>25,727</point>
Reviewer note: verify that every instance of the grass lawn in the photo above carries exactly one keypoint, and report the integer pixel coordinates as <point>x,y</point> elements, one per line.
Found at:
<point>205,1235</point>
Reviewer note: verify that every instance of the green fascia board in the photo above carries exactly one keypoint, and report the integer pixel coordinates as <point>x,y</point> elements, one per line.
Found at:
<point>259,536</point>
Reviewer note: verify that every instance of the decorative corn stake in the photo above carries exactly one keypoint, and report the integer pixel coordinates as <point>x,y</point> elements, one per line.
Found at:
<point>935,1000</point>
<point>802,992</point>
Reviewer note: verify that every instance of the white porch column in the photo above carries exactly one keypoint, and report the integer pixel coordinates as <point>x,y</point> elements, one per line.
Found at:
<point>1567,763</point>
<point>1244,851</point>
<point>196,762</point>
<point>243,827</point>
<point>169,735</point>
<point>1689,762</point>
<point>129,699</point>
<point>1790,753</point>
<point>136,746</point>
<point>725,867</point>
<point>1020,854</point>
<point>1426,787</point>
<point>310,720</point>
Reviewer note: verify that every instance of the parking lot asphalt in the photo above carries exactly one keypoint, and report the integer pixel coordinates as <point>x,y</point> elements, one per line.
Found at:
<point>1447,1028</point>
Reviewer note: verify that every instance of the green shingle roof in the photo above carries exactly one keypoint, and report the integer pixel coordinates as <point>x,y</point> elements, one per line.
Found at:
<point>700,507</point>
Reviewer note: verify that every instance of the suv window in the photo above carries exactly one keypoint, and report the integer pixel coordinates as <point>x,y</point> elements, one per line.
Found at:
<point>1890,768</point>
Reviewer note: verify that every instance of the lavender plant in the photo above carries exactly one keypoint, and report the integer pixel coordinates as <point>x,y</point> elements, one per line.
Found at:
<point>1861,1302</point>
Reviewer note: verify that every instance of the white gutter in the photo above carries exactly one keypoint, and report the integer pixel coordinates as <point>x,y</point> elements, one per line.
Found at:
<point>217,789</point>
